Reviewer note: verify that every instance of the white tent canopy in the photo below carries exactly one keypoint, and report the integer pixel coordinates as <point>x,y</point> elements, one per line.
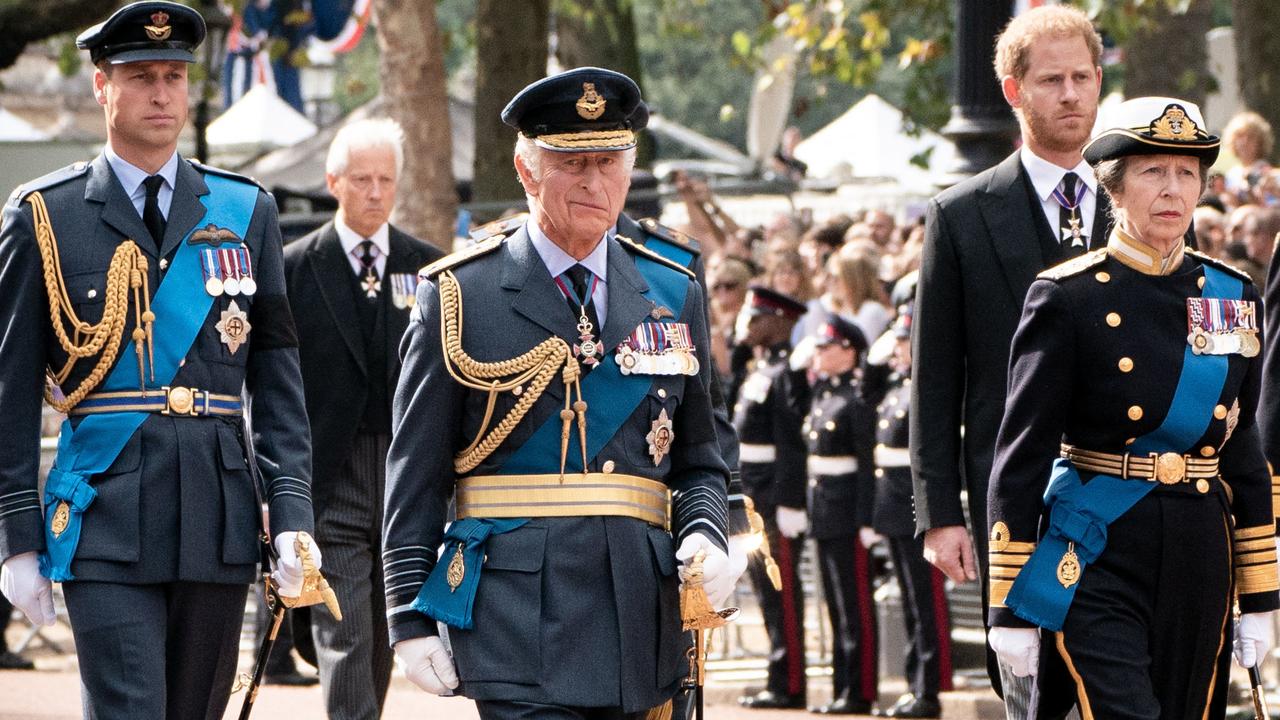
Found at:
<point>14,128</point>
<point>869,141</point>
<point>259,120</point>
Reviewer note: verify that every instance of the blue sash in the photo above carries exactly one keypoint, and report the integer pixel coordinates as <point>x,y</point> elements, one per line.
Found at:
<point>1080,513</point>
<point>452,604</point>
<point>180,306</point>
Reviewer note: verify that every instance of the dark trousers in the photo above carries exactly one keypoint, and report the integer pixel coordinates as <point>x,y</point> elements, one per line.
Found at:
<point>926,616</point>
<point>354,655</point>
<point>846,583</point>
<point>507,710</point>
<point>155,651</point>
<point>783,611</point>
<point>1148,633</point>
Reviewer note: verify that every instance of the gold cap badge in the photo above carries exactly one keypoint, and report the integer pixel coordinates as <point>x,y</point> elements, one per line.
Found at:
<point>1174,124</point>
<point>159,29</point>
<point>590,106</point>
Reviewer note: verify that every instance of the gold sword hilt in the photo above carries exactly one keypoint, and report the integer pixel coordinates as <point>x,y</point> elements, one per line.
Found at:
<point>315,589</point>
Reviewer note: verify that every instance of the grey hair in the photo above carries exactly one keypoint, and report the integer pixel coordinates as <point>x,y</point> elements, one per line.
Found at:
<point>362,135</point>
<point>1110,175</point>
<point>531,154</point>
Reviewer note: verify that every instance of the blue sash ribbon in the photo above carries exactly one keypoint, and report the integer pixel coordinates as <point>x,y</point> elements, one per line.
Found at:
<point>1079,514</point>
<point>453,606</point>
<point>180,306</point>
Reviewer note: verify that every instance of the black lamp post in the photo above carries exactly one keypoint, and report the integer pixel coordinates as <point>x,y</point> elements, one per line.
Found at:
<point>217,23</point>
<point>982,126</point>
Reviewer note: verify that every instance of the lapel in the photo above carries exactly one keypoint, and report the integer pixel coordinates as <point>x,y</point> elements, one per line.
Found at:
<point>1004,205</point>
<point>627,307</point>
<point>117,209</point>
<point>1101,220</point>
<point>331,269</point>
<point>537,297</point>
<point>185,210</point>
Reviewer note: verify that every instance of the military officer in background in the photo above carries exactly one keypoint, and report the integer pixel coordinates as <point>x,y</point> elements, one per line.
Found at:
<point>921,586</point>
<point>353,282</point>
<point>165,283</point>
<point>839,434</point>
<point>767,418</point>
<point>558,417</point>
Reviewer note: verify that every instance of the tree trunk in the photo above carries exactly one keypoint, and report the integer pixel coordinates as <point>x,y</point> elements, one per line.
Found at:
<point>601,33</point>
<point>511,42</point>
<point>1169,56</point>
<point>411,67</point>
<point>1258,57</point>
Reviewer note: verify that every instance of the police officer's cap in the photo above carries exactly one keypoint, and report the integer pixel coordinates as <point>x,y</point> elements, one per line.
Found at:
<point>838,331</point>
<point>1153,126</point>
<point>586,109</point>
<point>766,301</point>
<point>142,31</point>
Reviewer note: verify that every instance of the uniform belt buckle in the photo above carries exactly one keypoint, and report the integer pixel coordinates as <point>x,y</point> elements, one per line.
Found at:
<point>1170,468</point>
<point>179,400</point>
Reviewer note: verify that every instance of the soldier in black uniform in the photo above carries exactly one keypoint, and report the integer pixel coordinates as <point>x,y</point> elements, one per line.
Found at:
<point>1130,500</point>
<point>839,434</point>
<point>921,585</point>
<point>767,418</point>
<point>165,283</point>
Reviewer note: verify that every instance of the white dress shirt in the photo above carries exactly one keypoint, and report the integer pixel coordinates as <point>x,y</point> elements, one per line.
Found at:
<point>131,177</point>
<point>1047,177</point>
<point>351,240</point>
<point>558,261</point>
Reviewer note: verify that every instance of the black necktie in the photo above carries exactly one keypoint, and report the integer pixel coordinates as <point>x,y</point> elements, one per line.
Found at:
<point>151,215</point>
<point>1066,213</point>
<point>370,281</point>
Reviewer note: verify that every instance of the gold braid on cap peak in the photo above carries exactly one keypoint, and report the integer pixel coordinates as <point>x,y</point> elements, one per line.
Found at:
<point>536,367</point>
<point>127,271</point>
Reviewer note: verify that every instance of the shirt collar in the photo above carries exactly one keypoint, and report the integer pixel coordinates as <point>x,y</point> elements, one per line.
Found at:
<point>558,261</point>
<point>1046,177</point>
<point>350,238</point>
<point>131,176</point>
<point>1141,257</point>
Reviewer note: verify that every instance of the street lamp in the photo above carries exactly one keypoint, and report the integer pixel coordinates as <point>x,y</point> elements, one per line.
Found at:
<point>217,24</point>
<point>981,125</point>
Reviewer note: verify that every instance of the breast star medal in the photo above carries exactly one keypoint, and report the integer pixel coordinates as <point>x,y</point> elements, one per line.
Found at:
<point>659,438</point>
<point>234,327</point>
<point>1069,567</point>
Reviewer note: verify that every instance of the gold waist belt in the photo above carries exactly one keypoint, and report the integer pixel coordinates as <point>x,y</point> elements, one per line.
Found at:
<point>570,495</point>
<point>1165,468</point>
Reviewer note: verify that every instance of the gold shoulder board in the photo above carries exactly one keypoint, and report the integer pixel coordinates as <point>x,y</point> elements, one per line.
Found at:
<point>654,227</point>
<point>453,260</point>
<point>1075,266</point>
<point>639,249</point>
<point>1221,265</point>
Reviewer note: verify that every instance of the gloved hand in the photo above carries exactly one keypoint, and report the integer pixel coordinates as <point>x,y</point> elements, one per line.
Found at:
<point>1019,648</point>
<point>717,580</point>
<point>427,664</point>
<point>27,589</point>
<point>792,522</point>
<point>287,575</point>
<point>868,536</point>
<point>1252,638</point>
<point>740,547</point>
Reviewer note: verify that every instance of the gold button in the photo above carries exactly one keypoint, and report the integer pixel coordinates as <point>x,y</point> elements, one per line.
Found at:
<point>608,466</point>
<point>1113,319</point>
<point>1103,276</point>
<point>1126,364</point>
<point>517,390</point>
<point>164,263</point>
<point>1135,413</point>
<point>1200,282</point>
<point>1202,486</point>
<point>1207,451</point>
<point>1220,411</point>
<point>662,393</point>
<point>93,293</point>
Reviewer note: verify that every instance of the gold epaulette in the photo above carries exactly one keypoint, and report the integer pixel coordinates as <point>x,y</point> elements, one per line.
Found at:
<point>1225,267</point>
<point>657,229</point>
<point>501,226</point>
<point>453,260</point>
<point>639,249</point>
<point>1075,266</point>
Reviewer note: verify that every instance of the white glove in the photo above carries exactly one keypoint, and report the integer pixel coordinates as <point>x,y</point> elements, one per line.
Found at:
<point>1252,638</point>
<point>27,589</point>
<point>792,522</point>
<point>740,547</point>
<point>868,536</point>
<point>1019,648</point>
<point>717,579</point>
<point>287,575</point>
<point>427,664</point>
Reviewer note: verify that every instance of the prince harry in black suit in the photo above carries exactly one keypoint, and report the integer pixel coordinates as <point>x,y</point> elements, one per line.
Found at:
<point>351,286</point>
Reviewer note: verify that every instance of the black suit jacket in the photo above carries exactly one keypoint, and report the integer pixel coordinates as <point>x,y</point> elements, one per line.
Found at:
<point>334,366</point>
